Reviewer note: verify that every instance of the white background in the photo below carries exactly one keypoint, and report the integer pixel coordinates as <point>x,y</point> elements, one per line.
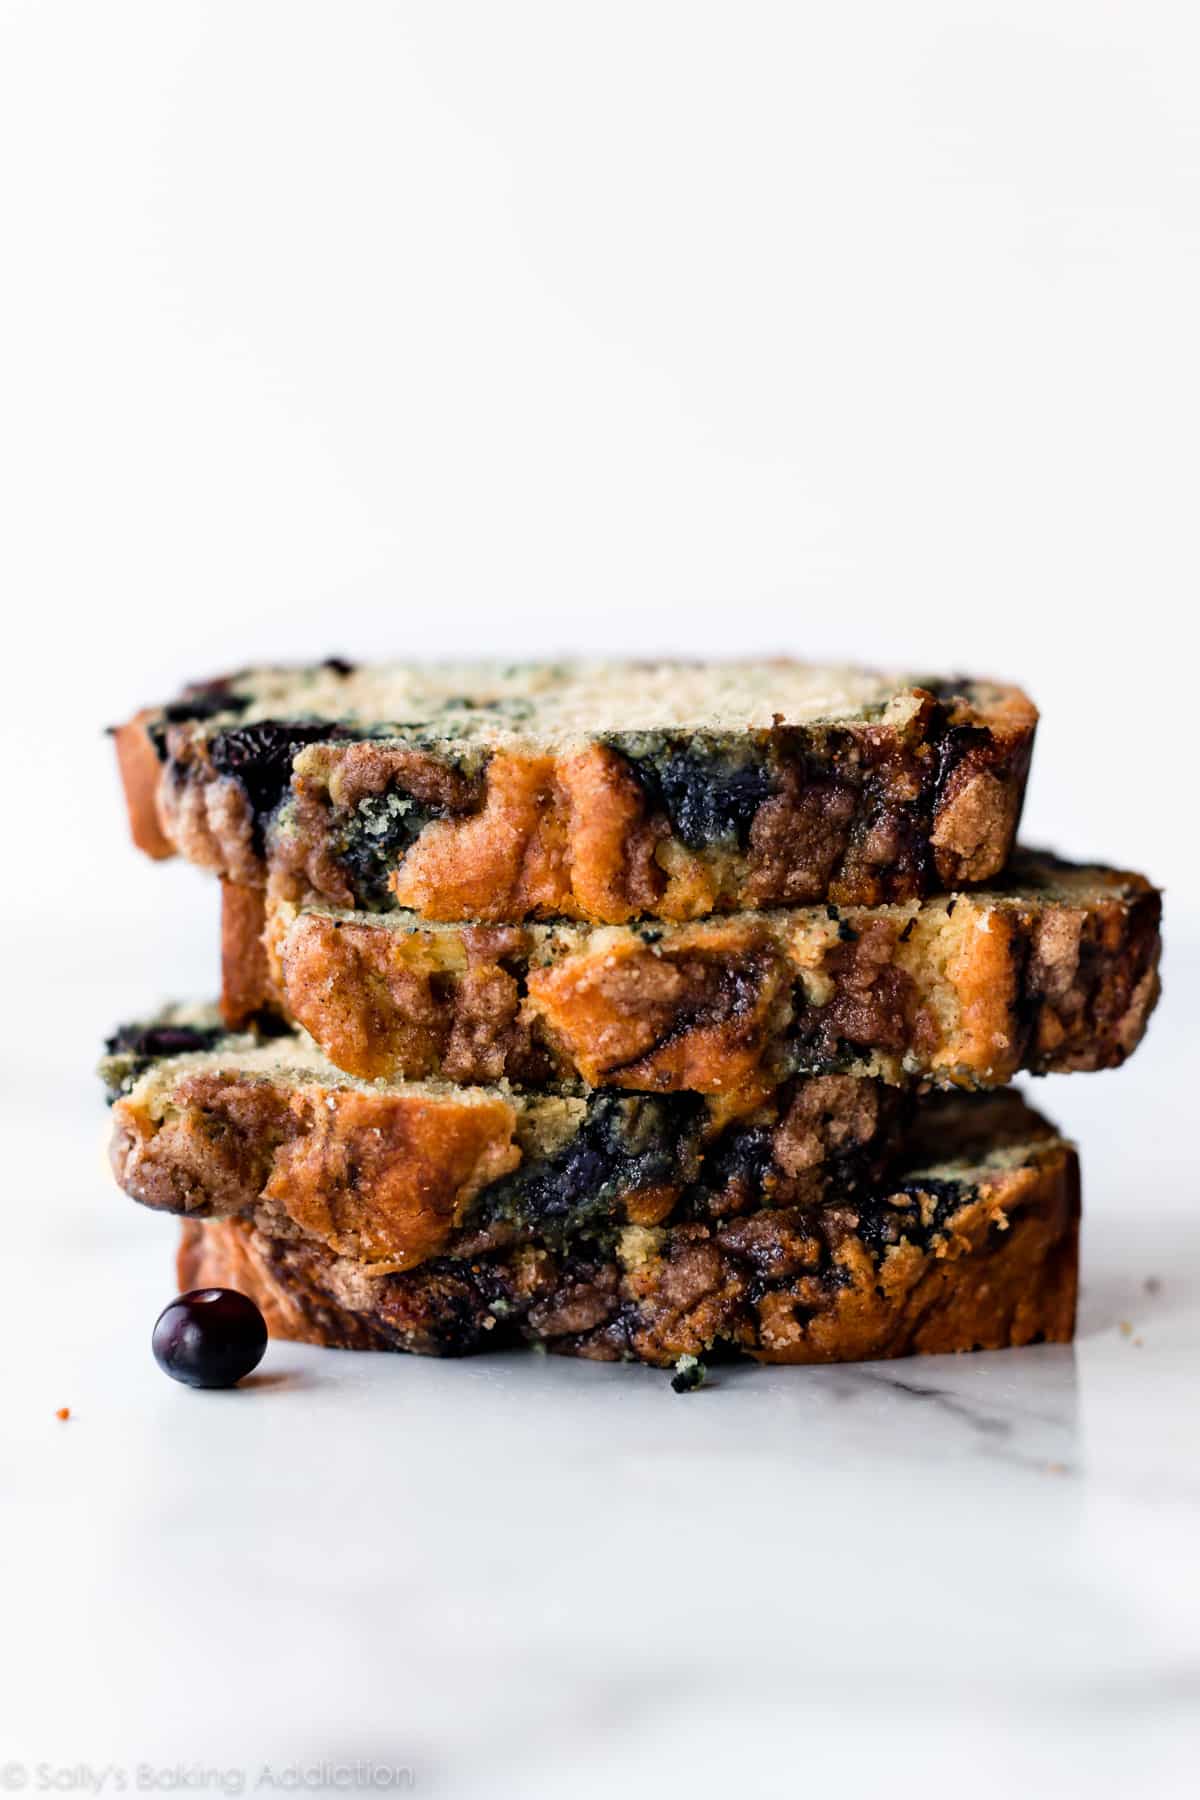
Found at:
<point>865,330</point>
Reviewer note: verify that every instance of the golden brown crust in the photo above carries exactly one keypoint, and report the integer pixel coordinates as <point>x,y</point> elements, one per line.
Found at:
<point>210,1256</point>
<point>612,839</point>
<point>504,862</point>
<point>140,771</point>
<point>872,810</point>
<point>245,975</point>
<point>413,1005</point>
<point>385,1178</point>
<point>704,1013</point>
<point>1059,974</point>
<point>983,1263</point>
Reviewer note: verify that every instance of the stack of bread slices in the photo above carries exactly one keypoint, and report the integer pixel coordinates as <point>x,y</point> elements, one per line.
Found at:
<point>650,1011</point>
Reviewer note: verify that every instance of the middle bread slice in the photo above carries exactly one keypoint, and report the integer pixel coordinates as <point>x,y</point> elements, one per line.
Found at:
<point>1054,969</point>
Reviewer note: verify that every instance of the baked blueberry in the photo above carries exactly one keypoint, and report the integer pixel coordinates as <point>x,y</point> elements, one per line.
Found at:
<point>209,1338</point>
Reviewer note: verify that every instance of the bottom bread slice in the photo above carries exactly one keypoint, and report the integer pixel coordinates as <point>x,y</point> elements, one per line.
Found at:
<point>974,1248</point>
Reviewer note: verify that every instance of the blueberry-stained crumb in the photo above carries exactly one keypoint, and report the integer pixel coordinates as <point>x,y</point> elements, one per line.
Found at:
<point>690,1374</point>
<point>153,1041</point>
<point>916,1213</point>
<point>626,1143</point>
<point>131,1050</point>
<point>374,840</point>
<point>709,791</point>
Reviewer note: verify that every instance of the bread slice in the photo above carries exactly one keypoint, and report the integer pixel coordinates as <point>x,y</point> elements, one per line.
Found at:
<point>213,1124</point>
<point>597,792</point>
<point>1055,970</point>
<point>975,1248</point>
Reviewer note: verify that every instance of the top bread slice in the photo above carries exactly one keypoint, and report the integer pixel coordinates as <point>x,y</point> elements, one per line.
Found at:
<point>598,792</point>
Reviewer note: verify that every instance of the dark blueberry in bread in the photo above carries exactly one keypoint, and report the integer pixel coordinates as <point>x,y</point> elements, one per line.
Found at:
<point>209,1338</point>
<point>259,757</point>
<point>149,1041</point>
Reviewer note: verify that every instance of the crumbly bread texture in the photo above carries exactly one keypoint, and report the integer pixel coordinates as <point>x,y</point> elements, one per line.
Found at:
<point>977,1250</point>
<point>596,792</point>
<point>1055,970</point>
<point>213,1124</point>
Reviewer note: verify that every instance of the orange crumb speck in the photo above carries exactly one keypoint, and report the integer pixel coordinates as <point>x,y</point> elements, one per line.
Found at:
<point>64,1412</point>
<point>1126,1328</point>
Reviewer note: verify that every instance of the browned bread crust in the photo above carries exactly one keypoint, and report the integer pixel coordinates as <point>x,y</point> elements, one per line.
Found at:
<point>1055,970</point>
<point>246,982</point>
<point>387,1175</point>
<point>468,819</point>
<point>978,1254</point>
<point>140,769</point>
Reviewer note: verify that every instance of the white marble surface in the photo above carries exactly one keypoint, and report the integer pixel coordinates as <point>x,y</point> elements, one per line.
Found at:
<point>530,1577</point>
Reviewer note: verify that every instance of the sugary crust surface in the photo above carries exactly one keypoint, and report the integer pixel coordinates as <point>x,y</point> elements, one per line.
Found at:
<point>1056,970</point>
<point>387,1175</point>
<point>721,802</point>
<point>977,1256</point>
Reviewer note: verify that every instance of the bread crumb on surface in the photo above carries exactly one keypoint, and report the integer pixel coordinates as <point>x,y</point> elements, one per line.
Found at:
<point>690,1374</point>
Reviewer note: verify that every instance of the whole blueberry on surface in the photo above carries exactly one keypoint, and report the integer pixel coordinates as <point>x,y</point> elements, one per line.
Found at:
<point>209,1338</point>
